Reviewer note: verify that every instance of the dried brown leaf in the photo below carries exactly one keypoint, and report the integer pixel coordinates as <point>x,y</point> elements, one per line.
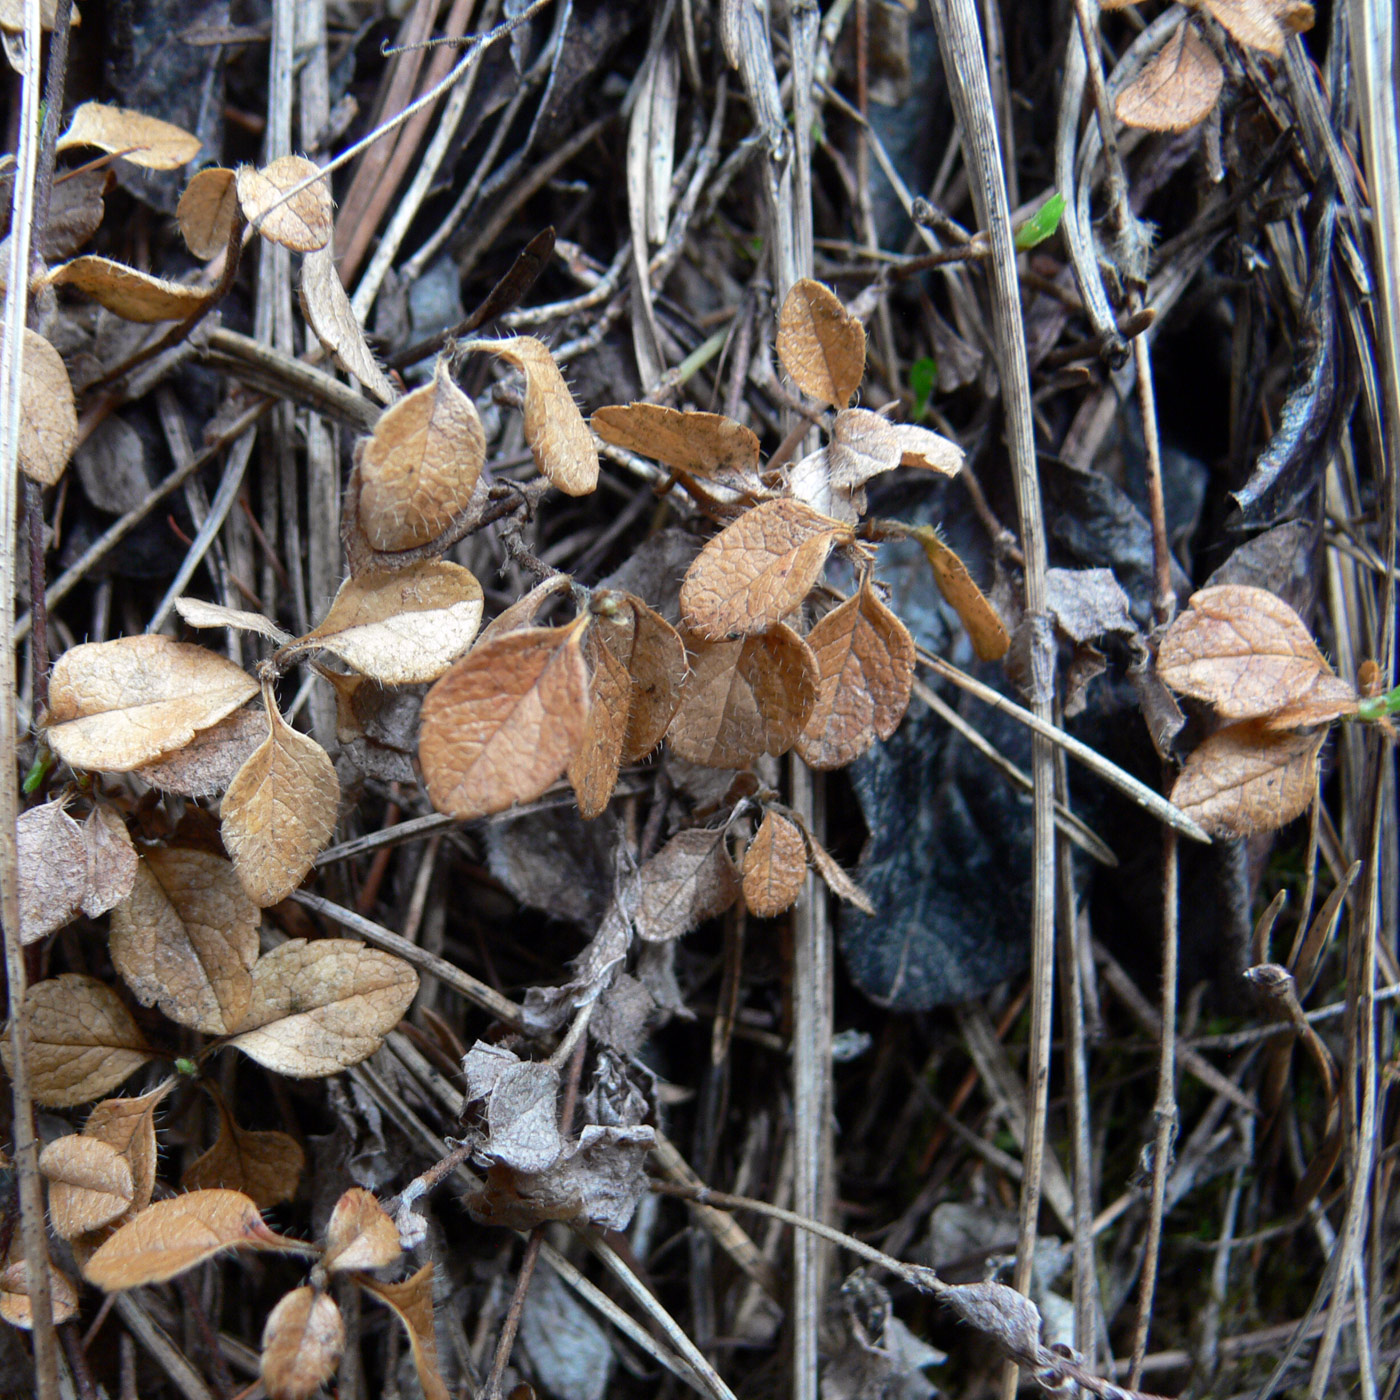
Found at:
<point>207,764</point>
<point>690,879</point>
<point>744,698</point>
<point>198,613</point>
<point>986,630</point>
<point>699,443</point>
<point>419,467</point>
<point>503,723</point>
<point>48,425</point>
<point>563,447</point>
<point>865,657</point>
<point>821,345</point>
<point>76,209</point>
<point>302,1342</point>
<point>186,939</point>
<point>1257,24</point>
<point>145,141</point>
<point>302,223</point>
<point>265,1165</point>
<point>775,866</point>
<point>14,1293</point>
<point>658,669</point>
<point>52,870</point>
<point>840,884</point>
<point>117,705</point>
<point>207,211</point>
<point>1246,779</point>
<point>279,811</point>
<point>758,569</point>
<point>360,1234</point>
<point>329,314</point>
<point>111,860</point>
<point>524,611</point>
<point>320,1007</point>
<point>412,1300</point>
<point>594,765</point>
<point>1177,89</point>
<point>863,445</point>
<point>125,292</point>
<point>82,1040</point>
<point>919,447</point>
<point>129,1126</point>
<point>89,1184</point>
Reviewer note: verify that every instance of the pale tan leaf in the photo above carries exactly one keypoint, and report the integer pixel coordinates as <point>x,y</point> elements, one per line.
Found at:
<point>403,628</point>
<point>302,1342</point>
<point>412,1300</point>
<point>125,292</point>
<point>279,812</point>
<point>129,1126</point>
<point>360,1234</point>
<point>264,1165</point>
<point>658,668</point>
<point>775,866</point>
<point>1177,89</point>
<point>110,860</point>
<point>758,569</point>
<point>744,698</point>
<point>919,447</point>
<point>320,1007</point>
<point>986,630</point>
<point>836,879</point>
<point>863,445</point>
<point>207,764</point>
<point>563,447</point>
<point>208,210</point>
<point>419,467</point>
<point>117,705</point>
<point>865,657</point>
<point>698,443</point>
<point>89,1184</point>
<point>593,768</point>
<point>48,425</point>
<point>302,223</point>
<point>14,1281</point>
<point>52,870</point>
<point>503,723</point>
<point>524,611</point>
<point>820,344</point>
<point>690,879</point>
<point>198,613</point>
<point>1246,779</point>
<point>82,1040</point>
<point>329,314</point>
<point>1254,23</point>
<point>145,141</point>
<point>186,938</point>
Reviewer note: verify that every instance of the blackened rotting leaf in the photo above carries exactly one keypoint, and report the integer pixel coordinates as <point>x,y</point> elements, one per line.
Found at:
<point>1087,603</point>
<point>556,862</point>
<point>878,1357</point>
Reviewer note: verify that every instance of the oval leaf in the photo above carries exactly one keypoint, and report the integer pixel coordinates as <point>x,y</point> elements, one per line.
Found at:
<point>775,866</point>
<point>52,870</point>
<point>302,1343</point>
<point>129,1126</point>
<point>699,443</point>
<point>658,667</point>
<point>1177,89</point>
<point>48,425</point>
<point>593,768</point>
<point>302,223</point>
<point>125,292</point>
<point>89,1184</point>
<point>265,1166</point>
<point>329,314</point>
<point>207,764</point>
<point>690,879</point>
<point>1246,779</point>
<point>14,1296</point>
<point>145,141</point>
<point>111,861</point>
<point>207,212</point>
<point>821,345</point>
<point>360,1234</point>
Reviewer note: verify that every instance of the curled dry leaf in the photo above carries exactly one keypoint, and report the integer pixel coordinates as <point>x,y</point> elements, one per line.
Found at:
<point>985,629</point>
<point>657,665</point>
<point>186,939</point>
<point>524,611</point>
<point>420,465</point>
<point>1177,89</point>
<point>266,1166</point>
<point>302,223</point>
<point>758,569</point>
<point>821,345</point>
<point>320,1007</point>
<point>403,628</point>
<point>142,140</point>
<point>82,1040</point>
<point>1246,779</point>
<point>503,723</point>
<point>329,314</point>
<point>699,443</point>
<point>920,447</point>
<point>111,860</point>
<point>117,705</point>
<point>198,613</point>
<point>865,658</point>
<point>48,425</point>
<point>208,210</point>
<point>129,1126</point>
<point>690,879</point>
<point>563,447</point>
<point>744,698</point>
<point>52,870</point>
<point>863,445</point>
<point>594,765</point>
<point>125,292</point>
<point>840,884</point>
<point>412,1301</point>
<point>775,866</point>
<point>89,1184</point>
<point>14,1295</point>
<point>279,811</point>
<point>206,764</point>
<point>302,1342</point>
<point>360,1234</point>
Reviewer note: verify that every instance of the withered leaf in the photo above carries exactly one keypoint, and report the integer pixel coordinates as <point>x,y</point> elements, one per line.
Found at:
<point>206,764</point>
<point>145,141</point>
<point>403,628</point>
<point>329,314</point>
<point>360,1234</point>
<point>758,569</point>
<point>690,879</point>
<point>522,1106</point>
<point>821,345</point>
<point>48,425</point>
<point>1177,89</point>
<point>920,447</point>
<point>658,669</point>
<point>420,465</point>
<point>264,1165</point>
<point>89,1183</point>
<point>503,723</point>
<point>186,938</point>
<point>840,884</point>
<point>863,445</point>
<point>563,447</point>
<point>320,1007</point>
<point>129,1126</point>
<point>14,1295</point>
<point>171,1236</point>
<point>117,705</point>
<point>744,698</point>
<point>111,860</point>
<point>412,1301</point>
<point>52,870</point>
<point>775,866</point>
<point>302,223</point>
<point>207,211</point>
<point>279,811</point>
<point>1247,653</point>
<point>594,765</point>
<point>198,613</point>
<point>524,611</point>
<point>125,292</point>
<point>865,657</point>
<point>985,629</point>
<point>82,1040</point>
<point>1246,779</point>
<point>699,443</point>
<point>76,209</point>
<point>302,1342</point>
<point>1261,24</point>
